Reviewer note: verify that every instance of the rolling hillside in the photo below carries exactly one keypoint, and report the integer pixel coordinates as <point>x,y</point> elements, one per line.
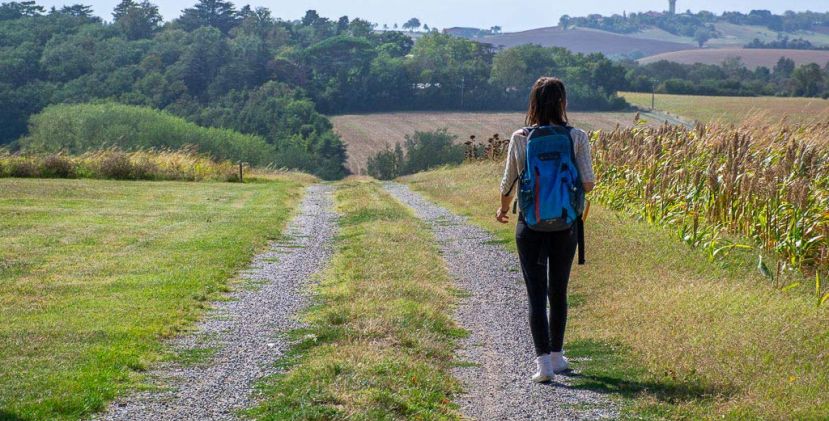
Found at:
<point>752,58</point>
<point>735,36</point>
<point>583,40</point>
<point>650,42</point>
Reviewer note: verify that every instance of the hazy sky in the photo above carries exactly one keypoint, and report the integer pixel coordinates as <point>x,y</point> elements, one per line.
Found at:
<point>512,15</point>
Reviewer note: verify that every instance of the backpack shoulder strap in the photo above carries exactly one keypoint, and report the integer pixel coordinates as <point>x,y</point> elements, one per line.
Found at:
<point>573,150</point>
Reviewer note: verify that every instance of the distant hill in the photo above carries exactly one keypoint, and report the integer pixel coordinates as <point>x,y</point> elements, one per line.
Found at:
<point>752,58</point>
<point>583,40</point>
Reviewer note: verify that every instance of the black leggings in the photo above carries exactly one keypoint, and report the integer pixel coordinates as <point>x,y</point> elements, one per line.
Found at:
<point>559,248</point>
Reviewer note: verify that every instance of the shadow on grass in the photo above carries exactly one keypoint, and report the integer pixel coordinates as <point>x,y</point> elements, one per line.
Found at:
<point>9,416</point>
<point>608,369</point>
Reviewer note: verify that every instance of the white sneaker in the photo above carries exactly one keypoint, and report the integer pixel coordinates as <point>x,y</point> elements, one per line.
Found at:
<point>559,362</point>
<point>545,370</point>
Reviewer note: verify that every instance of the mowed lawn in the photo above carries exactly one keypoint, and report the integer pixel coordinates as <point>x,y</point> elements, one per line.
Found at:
<point>95,274</point>
<point>366,134</point>
<point>657,323</point>
<point>736,110</point>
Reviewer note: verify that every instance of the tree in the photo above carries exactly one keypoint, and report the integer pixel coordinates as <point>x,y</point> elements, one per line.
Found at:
<point>426,27</point>
<point>202,59</point>
<point>395,26</point>
<point>427,150</point>
<point>216,13</point>
<point>386,164</point>
<point>360,28</point>
<point>784,68</point>
<point>702,35</point>
<point>808,80</point>
<point>137,20</point>
<point>412,24</point>
<point>76,10</point>
<point>495,29</point>
<point>15,10</point>
<point>342,24</point>
<point>311,17</point>
<point>257,22</point>
<point>564,22</point>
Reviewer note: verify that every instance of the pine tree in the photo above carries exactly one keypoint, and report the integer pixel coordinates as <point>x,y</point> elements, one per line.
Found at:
<point>137,20</point>
<point>217,13</point>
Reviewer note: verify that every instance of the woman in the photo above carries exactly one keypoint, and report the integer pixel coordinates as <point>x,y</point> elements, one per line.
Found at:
<point>548,106</point>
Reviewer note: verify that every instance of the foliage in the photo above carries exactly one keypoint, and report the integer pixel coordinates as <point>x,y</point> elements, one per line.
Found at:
<point>89,127</point>
<point>244,70</point>
<point>387,164</point>
<point>785,43</point>
<point>137,20</point>
<point>731,78</point>
<point>423,151</point>
<point>767,183</point>
<point>412,24</point>
<point>687,24</point>
<point>115,164</point>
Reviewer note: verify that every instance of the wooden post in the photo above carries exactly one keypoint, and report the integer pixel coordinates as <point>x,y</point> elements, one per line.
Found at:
<point>241,179</point>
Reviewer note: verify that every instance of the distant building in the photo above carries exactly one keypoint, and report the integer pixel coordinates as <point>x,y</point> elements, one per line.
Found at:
<point>672,7</point>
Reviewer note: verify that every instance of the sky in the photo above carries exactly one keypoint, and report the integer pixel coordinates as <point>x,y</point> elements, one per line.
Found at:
<point>511,15</point>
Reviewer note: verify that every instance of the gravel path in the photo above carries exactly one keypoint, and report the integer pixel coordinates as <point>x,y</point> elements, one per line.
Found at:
<point>244,332</point>
<point>497,385</point>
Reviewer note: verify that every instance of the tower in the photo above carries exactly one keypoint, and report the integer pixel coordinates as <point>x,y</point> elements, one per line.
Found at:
<point>672,8</point>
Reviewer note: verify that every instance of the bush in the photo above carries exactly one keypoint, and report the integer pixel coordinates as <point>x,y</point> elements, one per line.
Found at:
<point>386,164</point>
<point>80,128</point>
<point>23,168</point>
<point>57,166</point>
<point>427,150</point>
<point>424,151</point>
<point>116,165</point>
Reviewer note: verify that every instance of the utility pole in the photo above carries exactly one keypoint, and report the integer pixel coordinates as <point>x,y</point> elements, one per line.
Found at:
<point>653,94</point>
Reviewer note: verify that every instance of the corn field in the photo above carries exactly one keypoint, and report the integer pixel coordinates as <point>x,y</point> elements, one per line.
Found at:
<point>766,185</point>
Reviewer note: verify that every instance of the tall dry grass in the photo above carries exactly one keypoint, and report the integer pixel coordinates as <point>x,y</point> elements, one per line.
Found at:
<point>115,164</point>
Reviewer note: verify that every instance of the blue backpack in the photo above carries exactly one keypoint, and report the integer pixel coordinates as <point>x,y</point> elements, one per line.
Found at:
<point>551,195</point>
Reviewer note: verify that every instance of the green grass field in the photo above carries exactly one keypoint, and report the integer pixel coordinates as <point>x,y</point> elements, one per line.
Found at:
<point>379,342</point>
<point>672,333</point>
<point>735,110</point>
<point>95,274</point>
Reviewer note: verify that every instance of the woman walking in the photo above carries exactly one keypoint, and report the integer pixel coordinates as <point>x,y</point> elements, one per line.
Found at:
<point>546,253</point>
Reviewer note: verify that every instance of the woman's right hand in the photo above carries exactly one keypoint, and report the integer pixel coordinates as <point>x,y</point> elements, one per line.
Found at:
<point>502,215</point>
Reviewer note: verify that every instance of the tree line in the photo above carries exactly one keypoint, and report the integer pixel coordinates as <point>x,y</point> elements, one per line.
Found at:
<point>700,25</point>
<point>730,78</point>
<point>244,69</point>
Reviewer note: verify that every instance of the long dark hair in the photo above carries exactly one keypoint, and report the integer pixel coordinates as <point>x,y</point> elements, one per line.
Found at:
<point>547,103</point>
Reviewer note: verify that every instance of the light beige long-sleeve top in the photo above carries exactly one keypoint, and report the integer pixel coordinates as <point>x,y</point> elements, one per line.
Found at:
<point>517,158</point>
